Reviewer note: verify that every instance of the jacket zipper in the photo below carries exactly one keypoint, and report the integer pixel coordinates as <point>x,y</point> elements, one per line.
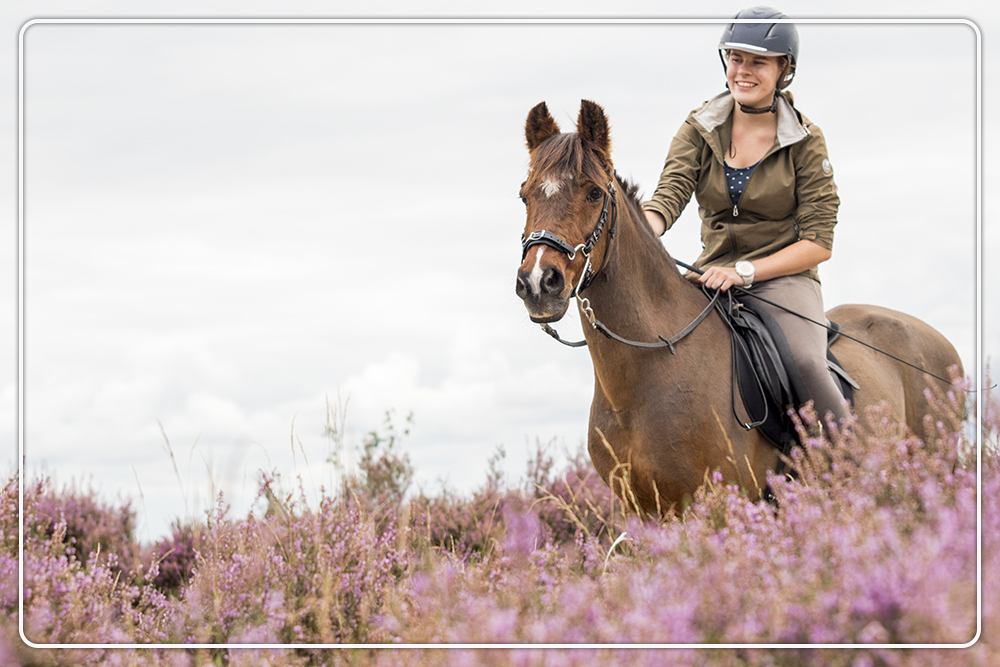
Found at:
<point>732,231</point>
<point>736,206</point>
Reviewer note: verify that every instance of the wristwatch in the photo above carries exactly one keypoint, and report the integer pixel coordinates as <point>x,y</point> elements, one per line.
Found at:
<point>745,270</point>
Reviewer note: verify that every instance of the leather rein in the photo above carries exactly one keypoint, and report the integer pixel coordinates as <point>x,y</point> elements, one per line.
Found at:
<point>587,276</point>
<point>550,239</point>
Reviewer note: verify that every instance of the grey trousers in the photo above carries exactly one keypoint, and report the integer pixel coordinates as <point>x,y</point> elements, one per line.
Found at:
<point>807,340</point>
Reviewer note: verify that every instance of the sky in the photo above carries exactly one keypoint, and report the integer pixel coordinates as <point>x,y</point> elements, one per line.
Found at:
<point>236,236</point>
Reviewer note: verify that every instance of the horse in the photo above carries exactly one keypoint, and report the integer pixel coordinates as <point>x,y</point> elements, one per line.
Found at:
<point>660,413</point>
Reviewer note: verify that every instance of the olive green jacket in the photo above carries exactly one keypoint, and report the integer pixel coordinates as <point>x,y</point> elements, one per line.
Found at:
<point>790,195</point>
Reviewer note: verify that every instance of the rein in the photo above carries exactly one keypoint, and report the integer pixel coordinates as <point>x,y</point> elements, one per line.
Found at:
<point>552,240</point>
<point>663,342</point>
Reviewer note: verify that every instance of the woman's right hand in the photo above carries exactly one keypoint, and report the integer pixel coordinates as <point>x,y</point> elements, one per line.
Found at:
<point>720,277</point>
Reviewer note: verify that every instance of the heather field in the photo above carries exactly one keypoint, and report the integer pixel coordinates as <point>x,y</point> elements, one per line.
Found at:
<point>873,544</point>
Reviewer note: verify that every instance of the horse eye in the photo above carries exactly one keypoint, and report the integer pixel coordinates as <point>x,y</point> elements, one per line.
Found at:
<point>595,195</point>
<point>524,200</point>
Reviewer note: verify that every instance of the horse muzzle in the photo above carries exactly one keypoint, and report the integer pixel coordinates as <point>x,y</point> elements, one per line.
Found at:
<point>544,290</point>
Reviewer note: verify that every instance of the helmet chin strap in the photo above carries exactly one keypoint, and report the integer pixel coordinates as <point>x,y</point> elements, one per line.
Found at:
<point>755,110</point>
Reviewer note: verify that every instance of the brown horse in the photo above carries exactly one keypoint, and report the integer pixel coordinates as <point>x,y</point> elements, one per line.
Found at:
<point>663,417</point>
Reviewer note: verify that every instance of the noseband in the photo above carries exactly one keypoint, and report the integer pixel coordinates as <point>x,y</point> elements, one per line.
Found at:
<point>545,237</point>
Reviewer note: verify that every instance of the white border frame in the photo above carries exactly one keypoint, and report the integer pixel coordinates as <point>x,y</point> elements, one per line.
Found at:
<point>489,21</point>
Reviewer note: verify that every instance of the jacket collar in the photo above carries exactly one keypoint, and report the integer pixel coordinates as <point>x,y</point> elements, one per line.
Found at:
<point>718,110</point>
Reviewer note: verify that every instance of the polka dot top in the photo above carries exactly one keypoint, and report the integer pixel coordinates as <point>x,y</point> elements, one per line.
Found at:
<point>737,179</point>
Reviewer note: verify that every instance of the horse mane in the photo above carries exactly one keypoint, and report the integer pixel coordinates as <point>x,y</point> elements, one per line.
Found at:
<point>632,196</point>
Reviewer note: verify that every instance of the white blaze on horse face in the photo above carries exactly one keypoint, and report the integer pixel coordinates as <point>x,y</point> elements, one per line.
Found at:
<point>535,279</point>
<point>552,185</point>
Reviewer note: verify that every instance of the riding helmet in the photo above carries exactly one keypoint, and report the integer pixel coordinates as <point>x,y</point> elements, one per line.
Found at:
<point>767,38</point>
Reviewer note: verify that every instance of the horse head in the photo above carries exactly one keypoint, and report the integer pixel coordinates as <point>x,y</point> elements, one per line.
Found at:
<point>567,194</point>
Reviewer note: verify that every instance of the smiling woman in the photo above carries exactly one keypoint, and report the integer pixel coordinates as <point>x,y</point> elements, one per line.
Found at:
<point>766,195</point>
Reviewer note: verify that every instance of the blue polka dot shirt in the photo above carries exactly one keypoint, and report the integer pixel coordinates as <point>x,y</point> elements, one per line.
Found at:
<point>737,179</point>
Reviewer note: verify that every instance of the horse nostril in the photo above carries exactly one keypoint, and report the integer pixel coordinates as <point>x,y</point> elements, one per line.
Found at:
<point>521,288</point>
<point>552,281</point>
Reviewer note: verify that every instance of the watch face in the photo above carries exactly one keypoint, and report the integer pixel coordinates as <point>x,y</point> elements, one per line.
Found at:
<point>744,269</point>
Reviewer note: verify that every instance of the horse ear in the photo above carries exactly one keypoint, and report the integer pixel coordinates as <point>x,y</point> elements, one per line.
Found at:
<point>539,126</point>
<point>593,126</point>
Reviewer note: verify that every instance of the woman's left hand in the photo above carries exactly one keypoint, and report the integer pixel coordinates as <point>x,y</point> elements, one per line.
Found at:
<point>720,277</point>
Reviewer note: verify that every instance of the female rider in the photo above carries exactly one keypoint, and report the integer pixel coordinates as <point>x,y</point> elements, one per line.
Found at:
<point>765,190</point>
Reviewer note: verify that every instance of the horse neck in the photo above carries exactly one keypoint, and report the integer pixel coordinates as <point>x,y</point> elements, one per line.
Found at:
<point>640,290</point>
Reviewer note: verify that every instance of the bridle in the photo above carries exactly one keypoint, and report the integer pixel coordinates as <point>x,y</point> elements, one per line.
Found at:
<point>587,277</point>
<point>545,237</point>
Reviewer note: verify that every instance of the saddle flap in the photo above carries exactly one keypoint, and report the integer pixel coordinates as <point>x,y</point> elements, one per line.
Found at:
<point>770,357</point>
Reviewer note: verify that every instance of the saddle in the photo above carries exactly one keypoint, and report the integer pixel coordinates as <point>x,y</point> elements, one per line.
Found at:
<point>765,373</point>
